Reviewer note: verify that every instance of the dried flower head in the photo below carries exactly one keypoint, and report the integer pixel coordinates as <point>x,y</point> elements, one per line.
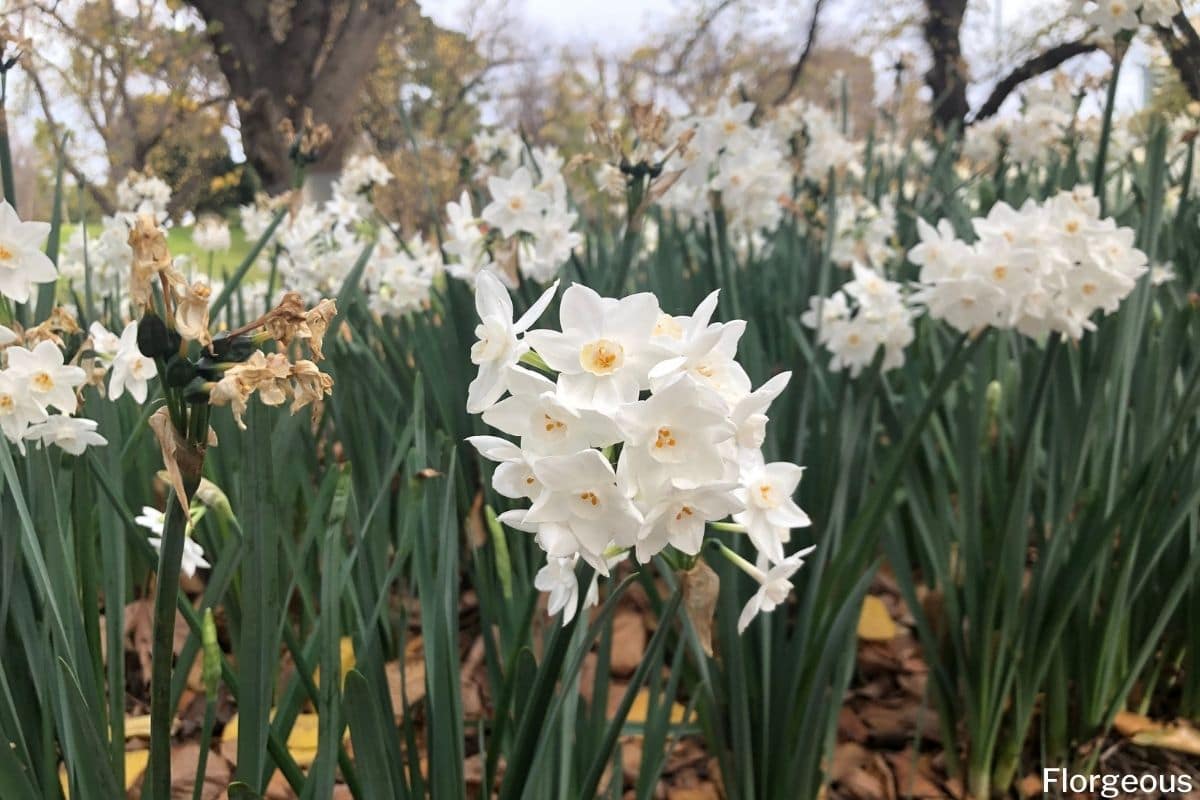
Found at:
<point>191,313</point>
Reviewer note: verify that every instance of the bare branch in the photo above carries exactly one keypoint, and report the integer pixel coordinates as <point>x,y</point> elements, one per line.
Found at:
<point>794,76</point>
<point>1037,65</point>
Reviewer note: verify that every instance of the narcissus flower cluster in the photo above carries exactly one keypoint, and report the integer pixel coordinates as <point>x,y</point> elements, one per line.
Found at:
<point>1045,267</point>
<point>526,228</point>
<point>38,386</point>
<point>630,431</point>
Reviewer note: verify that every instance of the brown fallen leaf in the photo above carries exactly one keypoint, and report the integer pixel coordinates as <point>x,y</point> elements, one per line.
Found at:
<point>875,624</point>
<point>1128,723</point>
<point>410,688</point>
<point>139,632</point>
<point>628,642</point>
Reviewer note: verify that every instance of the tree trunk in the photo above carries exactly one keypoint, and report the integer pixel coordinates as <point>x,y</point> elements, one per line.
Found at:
<point>947,77</point>
<point>315,55</point>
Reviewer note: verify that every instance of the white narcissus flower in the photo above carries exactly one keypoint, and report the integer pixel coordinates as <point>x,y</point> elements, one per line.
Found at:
<point>678,517</point>
<point>771,512</point>
<point>152,519</point>
<point>71,434</point>
<point>498,347</point>
<point>514,477</point>
<point>702,350</point>
<point>545,424</point>
<point>516,205</point>
<point>193,555</point>
<point>557,578</point>
<point>130,369</point>
<point>105,343</point>
<point>774,587</point>
<point>604,353</point>
<point>581,508</point>
<point>464,239</point>
<point>676,433</point>
<point>22,262</point>
<point>50,381</point>
<point>18,410</point>
<point>749,416</point>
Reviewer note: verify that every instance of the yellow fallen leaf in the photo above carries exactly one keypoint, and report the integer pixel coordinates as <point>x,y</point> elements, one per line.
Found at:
<point>875,624</point>
<point>641,706</point>
<point>136,762</point>
<point>346,645</point>
<point>1182,738</point>
<point>301,741</point>
<point>137,726</point>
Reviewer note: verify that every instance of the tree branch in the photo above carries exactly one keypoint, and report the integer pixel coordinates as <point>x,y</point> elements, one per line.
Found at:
<point>1184,52</point>
<point>794,76</point>
<point>1037,65</point>
<point>98,194</point>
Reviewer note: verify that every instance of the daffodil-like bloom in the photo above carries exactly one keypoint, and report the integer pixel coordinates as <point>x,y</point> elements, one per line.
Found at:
<point>667,394</point>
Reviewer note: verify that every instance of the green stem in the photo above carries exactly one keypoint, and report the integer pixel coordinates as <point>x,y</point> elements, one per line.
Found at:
<point>162,654</point>
<point>210,717</point>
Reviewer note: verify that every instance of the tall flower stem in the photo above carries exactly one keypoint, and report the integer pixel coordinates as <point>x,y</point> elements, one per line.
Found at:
<point>162,654</point>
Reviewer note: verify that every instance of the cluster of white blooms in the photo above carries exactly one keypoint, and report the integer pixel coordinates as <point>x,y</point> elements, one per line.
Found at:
<point>863,231</point>
<point>1039,131</point>
<point>635,431</point>
<point>497,152</point>
<point>211,234</point>
<point>33,384</point>
<point>747,165</point>
<point>527,226</point>
<point>351,190</point>
<point>865,314</point>
<point>143,193</point>
<point>825,146</point>
<point>400,278</point>
<point>1114,16</point>
<point>1046,267</point>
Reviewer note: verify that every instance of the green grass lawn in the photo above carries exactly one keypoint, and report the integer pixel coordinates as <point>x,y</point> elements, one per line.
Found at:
<point>179,239</point>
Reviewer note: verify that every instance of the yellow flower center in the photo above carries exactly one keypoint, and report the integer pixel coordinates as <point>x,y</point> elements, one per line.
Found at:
<point>516,203</point>
<point>665,438</point>
<point>602,357</point>
<point>1072,226</point>
<point>1000,272</point>
<point>766,496</point>
<point>7,404</point>
<point>552,424</point>
<point>590,497</point>
<point>42,381</point>
<point>1088,288</point>
<point>6,256</point>
<point>686,511</point>
<point>853,339</point>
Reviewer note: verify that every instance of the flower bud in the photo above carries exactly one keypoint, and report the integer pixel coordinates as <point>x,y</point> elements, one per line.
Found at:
<point>211,667</point>
<point>232,348</point>
<point>152,337</point>
<point>180,371</point>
